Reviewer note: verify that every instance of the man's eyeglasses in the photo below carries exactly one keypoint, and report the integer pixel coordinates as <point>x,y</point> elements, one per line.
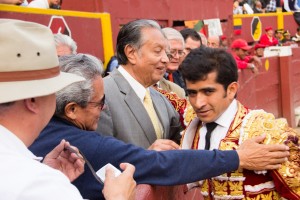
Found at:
<point>100,104</point>
<point>173,52</point>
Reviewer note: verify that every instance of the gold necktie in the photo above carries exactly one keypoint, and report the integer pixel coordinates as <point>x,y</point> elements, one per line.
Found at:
<point>152,114</point>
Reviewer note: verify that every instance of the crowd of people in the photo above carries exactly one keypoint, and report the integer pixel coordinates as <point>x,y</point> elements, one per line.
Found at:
<point>165,113</point>
<point>265,6</point>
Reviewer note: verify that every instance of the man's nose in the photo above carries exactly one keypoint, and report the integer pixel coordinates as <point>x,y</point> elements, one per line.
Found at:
<point>165,58</point>
<point>201,101</point>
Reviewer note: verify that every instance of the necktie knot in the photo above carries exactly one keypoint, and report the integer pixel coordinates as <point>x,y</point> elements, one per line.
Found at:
<point>147,96</point>
<point>210,127</point>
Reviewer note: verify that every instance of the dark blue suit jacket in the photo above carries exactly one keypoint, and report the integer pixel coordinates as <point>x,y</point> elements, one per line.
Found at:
<point>152,167</point>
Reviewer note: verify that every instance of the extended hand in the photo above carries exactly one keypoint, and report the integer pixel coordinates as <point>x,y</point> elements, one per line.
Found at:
<point>121,187</point>
<point>163,145</point>
<point>255,156</point>
<point>65,161</point>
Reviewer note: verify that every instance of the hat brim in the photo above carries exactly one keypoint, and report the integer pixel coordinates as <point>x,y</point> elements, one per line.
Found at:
<point>18,90</point>
<point>246,48</point>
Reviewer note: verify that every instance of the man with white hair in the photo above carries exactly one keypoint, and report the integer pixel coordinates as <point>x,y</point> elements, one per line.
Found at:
<point>65,45</point>
<point>172,82</point>
<point>213,41</point>
<point>176,56</point>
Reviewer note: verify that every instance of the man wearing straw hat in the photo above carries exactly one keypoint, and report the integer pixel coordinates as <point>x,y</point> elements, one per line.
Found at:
<point>29,79</point>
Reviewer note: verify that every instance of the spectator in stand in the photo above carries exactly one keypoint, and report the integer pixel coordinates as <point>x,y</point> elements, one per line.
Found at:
<point>191,38</point>
<point>177,54</point>
<point>44,3</point>
<point>264,3</point>
<point>240,50</point>
<point>279,36</point>
<point>223,42</point>
<point>290,6</point>
<point>247,9</point>
<point>259,50</point>
<point>296,38</point>
<point>213,41</point>
<point>287,38</point>
<point>169,82</point>
<point>15,2</point>
<point>257,8</point>
<point>271,6</point>
<point>237,8</point>
<point>268,38</point>
<point>65,45</point>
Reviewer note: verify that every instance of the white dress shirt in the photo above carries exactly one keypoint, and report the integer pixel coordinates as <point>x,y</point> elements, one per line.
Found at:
<point>25,178</point>
<point>219,133</point>
<point>138,88</point>
<point>39,4</point>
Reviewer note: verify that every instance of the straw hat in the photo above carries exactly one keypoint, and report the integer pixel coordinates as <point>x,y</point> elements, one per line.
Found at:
<point>29,64</point>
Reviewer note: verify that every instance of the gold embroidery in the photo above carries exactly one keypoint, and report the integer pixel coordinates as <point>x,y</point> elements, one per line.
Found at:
<point>238,173</point>
<point>272,195</point>
<point>236,188</point>
<point>277,132</point>
<point>225,145</point>
<point>220,187</point>
<point>189,114</point>
<point>204,187</point>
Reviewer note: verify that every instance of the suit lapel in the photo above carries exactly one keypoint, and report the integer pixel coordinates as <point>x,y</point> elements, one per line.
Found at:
<point>135,105</point>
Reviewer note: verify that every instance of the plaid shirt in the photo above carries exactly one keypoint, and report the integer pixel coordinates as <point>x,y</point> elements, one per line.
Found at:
<point>271,7</point>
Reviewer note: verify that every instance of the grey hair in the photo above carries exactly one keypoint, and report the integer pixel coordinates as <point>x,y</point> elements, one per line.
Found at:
<point>130,34</point>
<point>81,93</point>
<point>61,39</point>
<point>172,34</point>
<point>5,106</point>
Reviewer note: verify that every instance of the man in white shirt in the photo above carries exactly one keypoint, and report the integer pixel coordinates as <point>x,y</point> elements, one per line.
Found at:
<point>29,79</point>
<point>142,55</point>
<point>44,3</point>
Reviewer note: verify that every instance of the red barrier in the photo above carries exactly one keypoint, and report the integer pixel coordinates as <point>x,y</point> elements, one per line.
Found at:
<point>148,192</point>
<point>276,88</point>
<point>91,31</point>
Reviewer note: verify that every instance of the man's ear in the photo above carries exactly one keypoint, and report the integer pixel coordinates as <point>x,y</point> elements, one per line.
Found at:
<point>31,105</point>
<point>130,53</point>
<point>232,90</point>
<point>71,110</point>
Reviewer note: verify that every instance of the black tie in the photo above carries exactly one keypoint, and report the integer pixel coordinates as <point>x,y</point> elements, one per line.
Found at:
<point>210,127</point>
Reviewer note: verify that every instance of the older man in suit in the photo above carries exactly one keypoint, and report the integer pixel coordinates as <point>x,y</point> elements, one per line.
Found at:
<point>142,54</point>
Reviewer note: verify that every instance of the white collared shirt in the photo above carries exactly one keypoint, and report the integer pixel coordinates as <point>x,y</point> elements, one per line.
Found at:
<point>138,88</point>
<point>219,133</point>
<point>23,177</point>
<point>39,4</point>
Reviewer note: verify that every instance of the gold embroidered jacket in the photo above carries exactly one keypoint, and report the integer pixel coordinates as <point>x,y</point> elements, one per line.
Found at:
<point>245,184</point>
